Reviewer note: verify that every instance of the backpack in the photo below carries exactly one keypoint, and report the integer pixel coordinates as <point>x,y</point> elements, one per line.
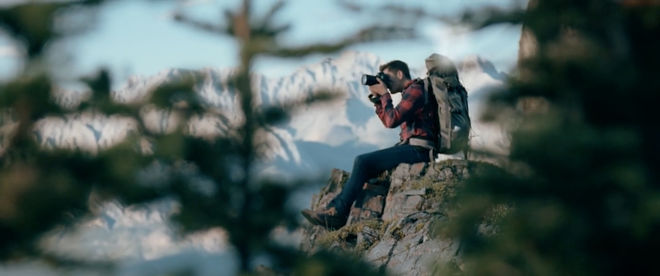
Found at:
<point>453,116</point>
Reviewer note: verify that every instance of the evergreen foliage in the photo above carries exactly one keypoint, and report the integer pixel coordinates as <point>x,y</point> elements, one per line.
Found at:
<point>43,188</point>
<point>583,187</point>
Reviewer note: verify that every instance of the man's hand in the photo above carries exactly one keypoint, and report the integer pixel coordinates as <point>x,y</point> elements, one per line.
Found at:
<point>378,89</point>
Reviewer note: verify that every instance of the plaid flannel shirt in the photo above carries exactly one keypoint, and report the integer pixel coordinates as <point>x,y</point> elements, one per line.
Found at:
<point>415,120</point>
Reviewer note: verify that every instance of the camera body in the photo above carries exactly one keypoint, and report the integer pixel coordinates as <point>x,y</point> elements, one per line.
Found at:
<point>370,80</point>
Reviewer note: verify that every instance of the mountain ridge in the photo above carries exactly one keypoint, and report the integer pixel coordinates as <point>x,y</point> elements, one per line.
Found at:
<point>316,139</point>
<point>346,121</point>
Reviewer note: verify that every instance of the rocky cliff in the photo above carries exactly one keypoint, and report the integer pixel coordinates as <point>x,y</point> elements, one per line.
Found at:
<point>394,223</point>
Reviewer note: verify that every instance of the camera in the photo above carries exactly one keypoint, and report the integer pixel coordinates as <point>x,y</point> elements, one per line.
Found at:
<point>370,80</point>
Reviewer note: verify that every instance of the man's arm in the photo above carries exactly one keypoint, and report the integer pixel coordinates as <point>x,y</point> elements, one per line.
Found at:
<point>393,116</point>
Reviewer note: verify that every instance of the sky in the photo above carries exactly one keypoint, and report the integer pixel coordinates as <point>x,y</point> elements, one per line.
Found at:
<point>139,37</point>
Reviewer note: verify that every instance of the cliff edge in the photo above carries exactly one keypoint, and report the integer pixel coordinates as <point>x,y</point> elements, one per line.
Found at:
<point>393,224</point>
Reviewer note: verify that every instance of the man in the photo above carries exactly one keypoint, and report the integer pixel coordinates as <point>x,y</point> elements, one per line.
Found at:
<point>419,127</point>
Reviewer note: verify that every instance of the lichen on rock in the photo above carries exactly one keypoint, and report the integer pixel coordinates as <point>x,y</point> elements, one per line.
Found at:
<point>399,235</point>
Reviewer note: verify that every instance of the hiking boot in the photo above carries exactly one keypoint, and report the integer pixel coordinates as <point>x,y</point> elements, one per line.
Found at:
<point>328,218</point>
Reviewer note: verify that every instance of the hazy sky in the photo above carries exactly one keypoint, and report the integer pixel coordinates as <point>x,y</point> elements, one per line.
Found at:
<point>139,37</point>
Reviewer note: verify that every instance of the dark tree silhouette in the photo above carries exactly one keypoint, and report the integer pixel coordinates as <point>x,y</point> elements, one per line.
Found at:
<point>43,188</point>
<point>582,194</point>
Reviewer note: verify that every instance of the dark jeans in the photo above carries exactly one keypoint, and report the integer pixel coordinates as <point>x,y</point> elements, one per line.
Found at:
<point>369,165</point>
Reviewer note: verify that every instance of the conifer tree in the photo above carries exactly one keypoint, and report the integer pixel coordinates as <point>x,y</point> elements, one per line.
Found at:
<point>581,193</point>
<point>42,188</point>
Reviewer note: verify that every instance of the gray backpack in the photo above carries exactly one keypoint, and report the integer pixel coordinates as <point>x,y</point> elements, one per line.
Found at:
<point>453,116</point>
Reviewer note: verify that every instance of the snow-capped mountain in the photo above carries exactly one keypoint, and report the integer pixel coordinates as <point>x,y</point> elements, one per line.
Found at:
<point>481,78</point>
<point>317,138</point>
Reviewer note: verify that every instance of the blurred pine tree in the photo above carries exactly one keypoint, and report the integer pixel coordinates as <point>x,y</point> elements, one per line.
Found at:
<point>42,188</point>
<point>583,188</point>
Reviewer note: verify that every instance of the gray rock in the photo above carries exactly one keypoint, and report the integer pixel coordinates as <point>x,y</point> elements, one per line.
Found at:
<point>379,254</point>
<point>367,237</point>
<point>392,224</point>
<point>401,204</point>
<point>336,182</point>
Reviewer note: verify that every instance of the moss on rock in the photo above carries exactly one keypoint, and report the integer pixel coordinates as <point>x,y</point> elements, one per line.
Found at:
<point>347,237</point>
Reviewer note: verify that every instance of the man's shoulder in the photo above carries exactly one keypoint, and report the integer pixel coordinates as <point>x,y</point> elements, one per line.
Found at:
<point>418,81</point>
<point>417,86</point>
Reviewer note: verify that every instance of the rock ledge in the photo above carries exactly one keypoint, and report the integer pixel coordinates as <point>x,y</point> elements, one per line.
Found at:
<point>393,224</point>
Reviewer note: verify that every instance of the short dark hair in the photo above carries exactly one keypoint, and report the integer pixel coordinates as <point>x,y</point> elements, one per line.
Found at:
<point>397,65</point>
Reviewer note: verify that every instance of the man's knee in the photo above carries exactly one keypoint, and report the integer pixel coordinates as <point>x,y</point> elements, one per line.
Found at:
<point>361,161</point>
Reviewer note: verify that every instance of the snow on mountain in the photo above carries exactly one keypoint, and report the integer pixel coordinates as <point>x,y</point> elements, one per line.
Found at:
<point>348,119</point>
<point>347,122</point>
<point>477,73</point>
<point>317,138</point>
<point>481,78</point>
<point>87,131</point>
<point>132,232</point>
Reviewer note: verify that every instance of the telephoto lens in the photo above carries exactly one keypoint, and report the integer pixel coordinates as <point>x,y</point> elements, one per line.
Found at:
<point>369,80</point>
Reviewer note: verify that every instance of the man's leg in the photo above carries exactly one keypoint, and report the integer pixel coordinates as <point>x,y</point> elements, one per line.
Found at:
<point>365,166</point>
<point>369,165</point>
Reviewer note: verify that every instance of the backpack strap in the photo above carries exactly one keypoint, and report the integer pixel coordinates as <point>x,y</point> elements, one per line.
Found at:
<point>427,145</point>
<point>426,100</point>
<point>425,81</point>
<point>432,150</point>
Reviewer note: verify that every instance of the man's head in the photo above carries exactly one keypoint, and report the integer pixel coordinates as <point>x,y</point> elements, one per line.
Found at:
<point>398,74</point>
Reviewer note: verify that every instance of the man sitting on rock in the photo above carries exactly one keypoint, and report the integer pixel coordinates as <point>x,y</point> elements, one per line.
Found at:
<point>419,127</point>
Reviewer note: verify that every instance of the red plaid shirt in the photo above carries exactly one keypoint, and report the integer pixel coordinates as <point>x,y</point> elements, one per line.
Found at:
<point>415,120</point>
